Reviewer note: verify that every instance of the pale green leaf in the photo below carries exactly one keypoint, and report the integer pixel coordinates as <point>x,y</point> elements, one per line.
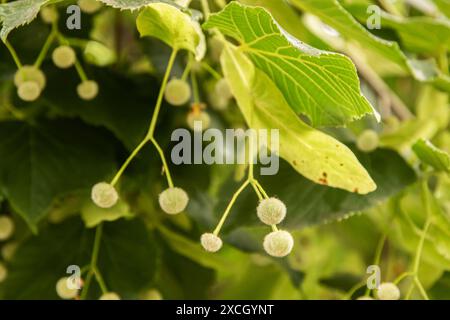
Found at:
<point>313,154</point>
<point>170,25</point>
<point>93,215</point>
<point>97,53</point>
<point>18,13</point>
<point>42,162</point>
<point>431,155</point>
<point>322,85</point>
<point>334,15</point>
<point>417,34</point>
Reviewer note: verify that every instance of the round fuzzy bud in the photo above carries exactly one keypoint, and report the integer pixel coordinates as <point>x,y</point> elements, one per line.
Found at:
<point>365,298</point>
<point>173,200</point>
<point>29,91</point>
<point>6,227</point>
<point>63,291</point>
<point>30,73</point>
<point>223,89</point>
<point>198,120</point>
<point>271,211</point>
<point>178,92</point>
<point>109,296</point>
<point>8,250</point>
<point>367,141</point>
<point>49,14</point>
<point>64,57</point>
<point>388,291</point>
<point>278,243</point>
<point>87,90</point>
<point>89,6</point>
<point>152,294</point>
<point>210,242</point>
<point>3,272</point>
<point>104,195</point>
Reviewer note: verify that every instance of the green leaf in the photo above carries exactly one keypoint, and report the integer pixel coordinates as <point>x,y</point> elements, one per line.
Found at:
<point>127,259</point>
<point>170,25</point>
<point>322,85</point>
<point>418,34</point>
<point>18,13</point>
<point>93,215</point>
<point>44,161</point>
<point>132,4</point>
<point>333,14</point>
<point>182,278</point>
<point>443,6</point>
<point>409,219</point>
<point>313,154</point>
<point>431,155</point>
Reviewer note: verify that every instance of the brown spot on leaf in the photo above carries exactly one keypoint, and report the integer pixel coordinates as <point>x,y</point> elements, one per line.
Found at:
<point>323,181</point>
<point>356,190</point>
<point>324,174</point>
<point>294,162</point>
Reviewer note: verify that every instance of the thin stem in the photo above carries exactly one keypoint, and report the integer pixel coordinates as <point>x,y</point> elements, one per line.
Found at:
<point>211,70</point>
<point>152,127</point>
<point>403,276</point>
<point>250,158</point>
<point>87,284</point>
<point>421,288</point>
<point>45,47</point>
<point>410,291</point>
<point>100,280</point>
<point>418,255</point>
<point>261,189</point>
<point>164,162</point>
<point>128,161</point>
<point>230,205</point>
<point>13,54</point>
<point>187,69</point>
<point>258,193</point>
<point>151,130</point>
<point>80,71</point>
<point>96,250</point>
<point>426,200</point>
<point>274,228</point>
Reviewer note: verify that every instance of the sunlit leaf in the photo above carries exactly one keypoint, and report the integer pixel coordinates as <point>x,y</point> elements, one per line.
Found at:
<point>18,13</point>
<point>313,154</point>
<point>322,85</point>
<point>170,25</point>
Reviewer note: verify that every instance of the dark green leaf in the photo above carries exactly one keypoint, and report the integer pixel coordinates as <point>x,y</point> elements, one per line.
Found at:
<point>43,161</point>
